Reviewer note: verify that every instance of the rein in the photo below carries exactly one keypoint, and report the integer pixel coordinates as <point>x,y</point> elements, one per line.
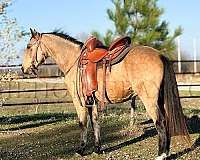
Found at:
<point>77,59</point>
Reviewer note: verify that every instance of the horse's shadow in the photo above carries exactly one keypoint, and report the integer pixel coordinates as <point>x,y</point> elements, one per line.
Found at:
<point>194,127</point>
<point>148,133</point>
<point>193,123</point>
<point>32,121</point>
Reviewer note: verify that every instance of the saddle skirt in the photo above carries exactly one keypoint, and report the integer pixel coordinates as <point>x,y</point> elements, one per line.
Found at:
<point>93,53</point>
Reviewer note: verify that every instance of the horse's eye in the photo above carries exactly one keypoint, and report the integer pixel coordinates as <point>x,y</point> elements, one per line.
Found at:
<point>28,46</point>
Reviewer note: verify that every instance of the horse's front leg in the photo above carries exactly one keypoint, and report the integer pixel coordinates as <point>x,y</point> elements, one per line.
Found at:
<point>84,127</point>
<point>93,112</point>
<point>83,124</point>
<point>81,112</point>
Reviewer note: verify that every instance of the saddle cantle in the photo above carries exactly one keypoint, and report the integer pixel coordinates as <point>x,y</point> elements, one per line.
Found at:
<point>94,52</point>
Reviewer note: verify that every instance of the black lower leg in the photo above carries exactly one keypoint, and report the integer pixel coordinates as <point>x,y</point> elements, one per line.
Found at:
<point>133,102</point>
<point>96,128</point>
<point>83,138</point>
<point>97,139</point>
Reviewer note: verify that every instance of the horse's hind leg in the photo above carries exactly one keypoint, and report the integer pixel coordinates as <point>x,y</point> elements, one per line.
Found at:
<point>160,124</point>
<point>154,109</point>
<point>132,110</point>
<point>163,139</point>
<point>163,131</point>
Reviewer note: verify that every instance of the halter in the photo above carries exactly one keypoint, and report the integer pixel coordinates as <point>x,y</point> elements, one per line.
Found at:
<point>35,56</point>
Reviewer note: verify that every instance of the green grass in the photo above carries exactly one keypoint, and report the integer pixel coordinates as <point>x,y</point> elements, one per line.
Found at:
<point>52,132</point>
<point>189,93</point>
<point>56,136</point>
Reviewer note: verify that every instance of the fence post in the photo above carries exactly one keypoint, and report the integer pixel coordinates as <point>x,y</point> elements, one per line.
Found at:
<point>195,55</point>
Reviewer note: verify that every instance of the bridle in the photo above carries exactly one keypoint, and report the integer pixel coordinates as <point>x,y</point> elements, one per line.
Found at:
<point>34,61</point>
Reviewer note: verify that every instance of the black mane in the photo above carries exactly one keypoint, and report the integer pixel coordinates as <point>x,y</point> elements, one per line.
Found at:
<point>65,36</point>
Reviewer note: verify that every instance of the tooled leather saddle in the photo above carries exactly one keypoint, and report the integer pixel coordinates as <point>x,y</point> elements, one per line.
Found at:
<point>94,52</point>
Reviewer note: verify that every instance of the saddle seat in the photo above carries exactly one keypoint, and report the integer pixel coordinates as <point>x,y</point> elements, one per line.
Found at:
<point>94,52</point>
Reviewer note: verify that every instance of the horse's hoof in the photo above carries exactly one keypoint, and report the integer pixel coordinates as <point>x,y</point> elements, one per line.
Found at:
<point>98,150</point>
<point>80,151</point>
<point>163,156</point>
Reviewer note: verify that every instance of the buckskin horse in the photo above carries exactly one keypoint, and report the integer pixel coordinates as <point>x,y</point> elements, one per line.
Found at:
<point>143,72</point>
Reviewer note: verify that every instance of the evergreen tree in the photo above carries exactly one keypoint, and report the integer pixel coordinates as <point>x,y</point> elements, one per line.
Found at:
<point>140,19</point>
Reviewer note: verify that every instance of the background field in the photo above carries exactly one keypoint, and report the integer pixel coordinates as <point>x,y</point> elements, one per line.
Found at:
<point>52,132</point>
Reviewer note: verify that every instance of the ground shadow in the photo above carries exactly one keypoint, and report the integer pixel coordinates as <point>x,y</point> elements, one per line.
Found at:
<point>32,125</point>
<point>147,134</point>
<point>193,125</point>
<point>65,139</point>
<point>35,119</point>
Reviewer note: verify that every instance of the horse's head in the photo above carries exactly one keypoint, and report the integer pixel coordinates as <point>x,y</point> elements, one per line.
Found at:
<point>35,53</point>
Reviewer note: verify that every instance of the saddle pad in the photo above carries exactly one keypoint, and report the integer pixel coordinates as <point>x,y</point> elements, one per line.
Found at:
<point>121,56</point>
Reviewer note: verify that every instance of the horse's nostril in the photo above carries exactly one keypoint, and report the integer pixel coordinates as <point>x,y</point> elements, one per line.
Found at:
<point>22,68</point>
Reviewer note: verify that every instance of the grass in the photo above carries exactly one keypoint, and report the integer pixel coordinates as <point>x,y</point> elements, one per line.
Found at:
<point>189,93</point>
<point>52,132</point>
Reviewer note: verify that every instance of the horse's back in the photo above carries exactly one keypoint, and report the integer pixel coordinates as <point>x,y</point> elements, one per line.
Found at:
<point>144,63</point>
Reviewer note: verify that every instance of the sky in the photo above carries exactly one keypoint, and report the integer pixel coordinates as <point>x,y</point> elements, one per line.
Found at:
<point>83,16</point>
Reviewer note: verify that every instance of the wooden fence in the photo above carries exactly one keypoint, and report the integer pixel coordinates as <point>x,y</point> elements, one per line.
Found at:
<point>38,102</point>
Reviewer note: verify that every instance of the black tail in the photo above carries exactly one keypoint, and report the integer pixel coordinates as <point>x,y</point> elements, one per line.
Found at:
<point>174,116</point>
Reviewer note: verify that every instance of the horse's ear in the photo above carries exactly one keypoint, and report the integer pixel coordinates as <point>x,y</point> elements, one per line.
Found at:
<point>34,33</point>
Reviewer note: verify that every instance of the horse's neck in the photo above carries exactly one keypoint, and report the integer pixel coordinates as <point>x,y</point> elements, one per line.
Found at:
<point>62,51</point>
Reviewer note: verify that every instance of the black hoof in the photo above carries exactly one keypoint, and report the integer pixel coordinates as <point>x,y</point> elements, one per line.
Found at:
<point>98,150</point>
<point>80,151</point>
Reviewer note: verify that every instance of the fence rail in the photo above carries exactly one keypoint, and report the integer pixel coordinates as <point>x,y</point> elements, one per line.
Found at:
<point>175,62</point>
<point>52,64</point>
<point>38,102</point>
<point>65,102</point>
<point>64,89</point>
<point>33,90</point>
<point>19,65</point>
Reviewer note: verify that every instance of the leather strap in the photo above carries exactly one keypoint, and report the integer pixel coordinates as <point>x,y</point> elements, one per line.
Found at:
<point>102,103</point>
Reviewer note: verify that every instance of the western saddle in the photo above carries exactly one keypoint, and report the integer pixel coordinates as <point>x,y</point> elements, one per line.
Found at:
<point>94,52</point>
